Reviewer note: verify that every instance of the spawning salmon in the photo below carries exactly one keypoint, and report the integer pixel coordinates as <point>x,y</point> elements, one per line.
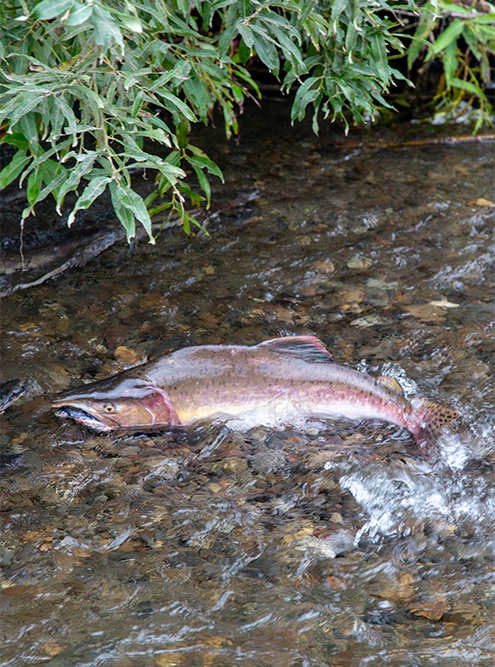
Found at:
<point>279,381</point>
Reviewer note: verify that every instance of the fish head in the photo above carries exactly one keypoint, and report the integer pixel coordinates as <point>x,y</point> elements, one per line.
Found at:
<point>117,403</point>
<point>10,391</point>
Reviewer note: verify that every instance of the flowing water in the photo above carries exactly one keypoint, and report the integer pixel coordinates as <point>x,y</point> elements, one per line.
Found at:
<point>335,545</point>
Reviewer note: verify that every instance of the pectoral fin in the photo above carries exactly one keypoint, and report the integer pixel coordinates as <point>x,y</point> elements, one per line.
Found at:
<point>391,383</point>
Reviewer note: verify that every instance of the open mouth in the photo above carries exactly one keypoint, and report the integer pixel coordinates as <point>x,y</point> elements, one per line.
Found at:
<point>82,416</point>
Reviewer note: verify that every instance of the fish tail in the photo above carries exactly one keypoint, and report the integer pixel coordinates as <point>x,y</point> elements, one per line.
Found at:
<point>428,419</point>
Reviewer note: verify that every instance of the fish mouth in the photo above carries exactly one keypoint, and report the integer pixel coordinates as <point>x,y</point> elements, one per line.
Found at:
<point>82,416</point>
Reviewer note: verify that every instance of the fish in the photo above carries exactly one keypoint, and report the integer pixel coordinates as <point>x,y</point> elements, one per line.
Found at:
<point>10,391</point>
<point>279,381</point>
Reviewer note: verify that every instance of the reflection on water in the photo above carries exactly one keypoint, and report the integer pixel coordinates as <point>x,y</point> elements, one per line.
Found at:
<point>336,544</point>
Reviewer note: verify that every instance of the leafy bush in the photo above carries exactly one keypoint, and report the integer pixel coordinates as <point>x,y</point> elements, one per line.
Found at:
<point>91,90</point>
<point>463,39</point>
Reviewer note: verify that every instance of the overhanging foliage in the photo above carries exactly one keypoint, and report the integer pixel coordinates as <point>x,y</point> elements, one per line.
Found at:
<point>91,90</point>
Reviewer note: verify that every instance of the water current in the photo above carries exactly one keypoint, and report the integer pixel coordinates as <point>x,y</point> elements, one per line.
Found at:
<point>332,545</point>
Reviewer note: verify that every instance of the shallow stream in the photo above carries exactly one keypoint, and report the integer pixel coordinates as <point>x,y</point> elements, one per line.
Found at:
<point>336,545</point>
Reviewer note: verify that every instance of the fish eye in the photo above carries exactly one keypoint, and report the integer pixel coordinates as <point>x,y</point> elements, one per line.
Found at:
<point>109,407</point>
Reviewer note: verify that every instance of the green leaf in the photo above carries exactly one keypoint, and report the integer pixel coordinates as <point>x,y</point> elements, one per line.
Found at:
<point>79,14</point>
<point>93,190</point>
<point>204,183</point>
<point>44,157</point>
<point>176,106</point>
<point>105,28</point>
<point>244,51</point>
<point>34,184</point>
<point>68,114</point>
<point>187,219</point>
<point>468,87</point>
<point>132,202</point>
<point>244,7</point>
<point>156,135</point>
<point>306,94</point>
<point>124,214</point>
<point>30,131</point>
<point>132,23</point>
<point>379,50</point>
<point>90,95</point>
<point>25,104</point>
<point>204,162</point>
<point>315,125</point>
<point>239,94</point>
<point>472,41</point>
<point>424,29</point>
<point>183,130</point>
<point>195,198</point>
<point>49,169</point>
<point>267,52</point>
<point>196,92</point>
<point>247,34</point>
<point>347,90</point>
<point>14,168</point>
<point>485,18</point>
<point>448,36</point>
<point>485,69</point>
<point>82,167</point>
<point>289,46</point>
<point>449,64</point>
<point>226,39</point>
<point>338,8</point>
<point>350,39</point>
<point>186,222</point>
<point>50,187</point>
<point>16,139</point>
<point>50,9</point>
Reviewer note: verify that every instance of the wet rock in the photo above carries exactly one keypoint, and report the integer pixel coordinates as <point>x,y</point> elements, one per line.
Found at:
<point>427,313</point>
<point>122,462</point>
<point>259,434</point>
<point>130,450</point>
<point>162,467</point>
<point>433,605</point>
<point>360,263</point>
<point>317,547</point>
<point>402,591</point>
<point>231,465</point>
<point>335,583</point>
<point>341,541</point>
<point>128,357</point>
<point>267,461</point>
<point>368,321</point>
<point>6,557</point>
<point>96,443</point>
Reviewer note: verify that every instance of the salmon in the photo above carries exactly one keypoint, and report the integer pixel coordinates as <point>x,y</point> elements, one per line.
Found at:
<point>280,381</point>
<point>10,391</point>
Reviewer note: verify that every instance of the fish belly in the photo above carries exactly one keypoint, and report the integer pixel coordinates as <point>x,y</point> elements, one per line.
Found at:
<point>272,406</point>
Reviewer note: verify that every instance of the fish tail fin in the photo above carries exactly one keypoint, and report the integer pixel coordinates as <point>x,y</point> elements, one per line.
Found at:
<point>428,419</point>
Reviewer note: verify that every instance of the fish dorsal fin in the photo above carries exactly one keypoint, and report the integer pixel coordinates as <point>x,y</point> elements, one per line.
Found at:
<point>391,383</point>
<point>307,348</point>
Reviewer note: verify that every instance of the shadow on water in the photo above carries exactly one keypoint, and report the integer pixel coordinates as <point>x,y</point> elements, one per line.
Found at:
<point>336,544</point>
